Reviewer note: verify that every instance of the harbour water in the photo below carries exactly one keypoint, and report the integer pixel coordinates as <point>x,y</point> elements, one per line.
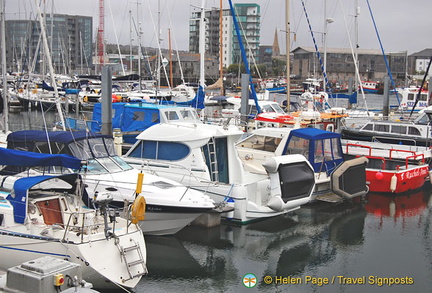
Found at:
<point>380,244</point>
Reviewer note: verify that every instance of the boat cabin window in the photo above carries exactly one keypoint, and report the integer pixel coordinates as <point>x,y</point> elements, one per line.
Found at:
<point>45,147</point>
<point>188,115</point>
<point>160,150</point>
<point>413,131</point>
<point>138,116</point>
<point>382,127</point>
<point>1,220</point>
<point>172,115</point>
<point>368,127</point>
<point>298,145</point>
<point>399,129</point>
<point>411,97</point>
<point>92,148</point>
<point>261,142</point>
<point>327,150</point>
<point>423,97</point>
<point>423,119</point>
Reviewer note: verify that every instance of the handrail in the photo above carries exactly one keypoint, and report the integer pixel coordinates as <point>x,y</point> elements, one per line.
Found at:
<point>70,226</point>
<point>397,150</point>
<point>358,145</point>
<point>414,157</point>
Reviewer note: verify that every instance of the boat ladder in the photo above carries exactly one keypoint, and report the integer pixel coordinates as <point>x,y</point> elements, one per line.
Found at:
<point>132,257</point>
<point>214,170</point>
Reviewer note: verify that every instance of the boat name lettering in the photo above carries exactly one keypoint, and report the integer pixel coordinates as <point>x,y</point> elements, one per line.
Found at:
<point>149,208</point>
<point>414,173</point>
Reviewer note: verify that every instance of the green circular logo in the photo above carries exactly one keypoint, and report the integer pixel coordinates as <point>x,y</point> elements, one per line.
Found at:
<point>249,280</point>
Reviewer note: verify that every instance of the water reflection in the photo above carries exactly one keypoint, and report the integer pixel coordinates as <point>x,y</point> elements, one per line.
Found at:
<point>280,246</point>
<point>398,206</point>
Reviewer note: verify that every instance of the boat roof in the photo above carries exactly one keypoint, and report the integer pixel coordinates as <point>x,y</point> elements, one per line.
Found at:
<point>65,137</point>
<point>313,133</point>
<point>12,157</point>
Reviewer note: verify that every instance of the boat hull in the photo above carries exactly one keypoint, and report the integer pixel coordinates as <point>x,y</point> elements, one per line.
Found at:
<point>99,258</point>
<point>161,220</point>
<point>406,180</point>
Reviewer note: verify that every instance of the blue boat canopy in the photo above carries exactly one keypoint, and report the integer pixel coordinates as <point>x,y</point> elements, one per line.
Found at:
<point>323,149</point>
<point>12,157</point>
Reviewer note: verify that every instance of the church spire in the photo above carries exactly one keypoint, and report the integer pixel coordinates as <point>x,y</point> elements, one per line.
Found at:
<point>275,48</point>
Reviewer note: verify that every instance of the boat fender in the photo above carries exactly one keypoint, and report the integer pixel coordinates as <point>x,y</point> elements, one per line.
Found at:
<point>393,183</point>
<point>138,209</point>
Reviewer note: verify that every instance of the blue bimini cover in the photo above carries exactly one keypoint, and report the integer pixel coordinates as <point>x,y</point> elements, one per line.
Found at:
<point>12,157</point>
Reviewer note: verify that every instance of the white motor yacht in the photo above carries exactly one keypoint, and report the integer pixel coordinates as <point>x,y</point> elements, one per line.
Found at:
<point>170,206</point>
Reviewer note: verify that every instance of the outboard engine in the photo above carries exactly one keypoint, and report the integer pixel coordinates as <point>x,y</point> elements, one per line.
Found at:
<point>292,181</point>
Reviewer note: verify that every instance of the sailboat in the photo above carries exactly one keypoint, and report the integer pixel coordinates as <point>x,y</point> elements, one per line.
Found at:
<point>46,215</point>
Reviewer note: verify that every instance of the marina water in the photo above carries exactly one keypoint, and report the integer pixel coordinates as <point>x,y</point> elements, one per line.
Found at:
<point>380,244</point>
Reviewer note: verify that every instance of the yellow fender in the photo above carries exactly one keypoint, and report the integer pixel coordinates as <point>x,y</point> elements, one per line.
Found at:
<point>138,209</point>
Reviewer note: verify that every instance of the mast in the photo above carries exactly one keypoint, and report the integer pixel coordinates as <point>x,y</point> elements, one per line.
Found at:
<point>139,49</point>
<point>288,61</point>
<point>50,66</point>
<point>356,14</point>
<point>131,40</point>
<point>170,58</point>
<point>5,89</point>
<point>202,44</point>
<point>244,57</point>
<point>221,47</point>
<point>100,35</point>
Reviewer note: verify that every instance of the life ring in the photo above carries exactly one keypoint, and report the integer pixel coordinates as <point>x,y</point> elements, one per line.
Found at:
<point>85,99</point>
<point>138,209</point>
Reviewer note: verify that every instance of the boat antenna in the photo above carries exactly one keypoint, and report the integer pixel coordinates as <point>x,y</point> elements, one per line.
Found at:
<point>421,86</point>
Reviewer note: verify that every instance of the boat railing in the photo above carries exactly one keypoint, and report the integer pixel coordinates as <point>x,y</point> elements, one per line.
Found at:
<point>411,155</point>
<point>377,139</point>
<point>81,224</point>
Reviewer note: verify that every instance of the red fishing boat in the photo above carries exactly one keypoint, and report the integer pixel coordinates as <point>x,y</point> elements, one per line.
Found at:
<point>393,173</point>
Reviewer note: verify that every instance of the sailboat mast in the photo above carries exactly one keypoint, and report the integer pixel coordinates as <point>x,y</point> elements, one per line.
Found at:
<point>170,58</point>
<point>5,89</point>
<point>221,47</point>
<point>288,45</point>
<point>356,14</point>
<point>202,44</point>
<point>50,66</point>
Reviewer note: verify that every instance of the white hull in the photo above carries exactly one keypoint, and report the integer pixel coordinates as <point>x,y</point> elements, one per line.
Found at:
<point>166,223</point>
<point>100,258</point>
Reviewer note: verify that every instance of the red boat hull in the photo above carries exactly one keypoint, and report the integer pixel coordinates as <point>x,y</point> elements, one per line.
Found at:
<point>411,179</point>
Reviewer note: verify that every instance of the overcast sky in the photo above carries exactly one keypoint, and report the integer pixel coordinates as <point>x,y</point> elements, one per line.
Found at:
<point>402,25</point>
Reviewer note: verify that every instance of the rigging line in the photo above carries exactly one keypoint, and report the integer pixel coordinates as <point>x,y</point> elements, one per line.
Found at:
<point>243,53</point>
<point>116,37</point>
<point>317,52</point>
<point>158,46</point>
<point>382,50</point>
<point>176,47</point>
<point>354,57</point>
<point>249,48</point>
<point>421,86</point>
